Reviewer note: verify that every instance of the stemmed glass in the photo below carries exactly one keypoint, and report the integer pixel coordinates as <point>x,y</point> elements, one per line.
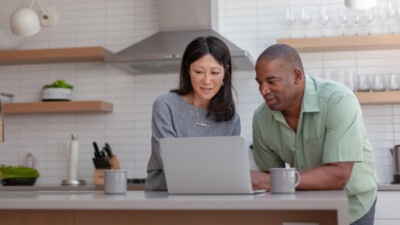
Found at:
<point>381,14</point>
<point>324,16</point>
<point>342,18</point>
<point>305,19</point>
<point>290,19</point>
<point>369,17</point>
<point>391,13</point>
<point>356,18</point>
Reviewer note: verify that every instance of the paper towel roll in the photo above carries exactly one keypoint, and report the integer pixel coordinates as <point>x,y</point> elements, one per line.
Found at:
<point>73,158</point>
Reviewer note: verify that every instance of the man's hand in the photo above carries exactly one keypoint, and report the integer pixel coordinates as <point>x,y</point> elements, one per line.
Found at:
<point>260,180</point>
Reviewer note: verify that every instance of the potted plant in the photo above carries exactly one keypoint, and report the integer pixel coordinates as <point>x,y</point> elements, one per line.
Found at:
<point>57,91</point>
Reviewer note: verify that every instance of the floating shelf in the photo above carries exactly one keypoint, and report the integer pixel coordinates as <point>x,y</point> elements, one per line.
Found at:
<point>55,55</point>
<point>344,43</point>
<point>389,97</point>
<point>57,106</point>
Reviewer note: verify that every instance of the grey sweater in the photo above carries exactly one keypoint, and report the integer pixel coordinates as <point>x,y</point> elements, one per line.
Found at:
<point>174,117</point>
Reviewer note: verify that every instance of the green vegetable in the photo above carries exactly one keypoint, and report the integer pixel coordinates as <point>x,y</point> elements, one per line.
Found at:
<point>58,84</point>
<point>7,172</point>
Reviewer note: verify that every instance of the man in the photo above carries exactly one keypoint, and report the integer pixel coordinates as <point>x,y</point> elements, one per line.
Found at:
<point>315,126</point>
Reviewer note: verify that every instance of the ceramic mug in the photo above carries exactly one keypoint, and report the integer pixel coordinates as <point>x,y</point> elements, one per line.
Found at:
<point>115,181</point>
<point>284,180</point>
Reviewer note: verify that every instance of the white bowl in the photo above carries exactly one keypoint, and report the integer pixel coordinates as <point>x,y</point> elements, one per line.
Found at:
<point>56,94</point>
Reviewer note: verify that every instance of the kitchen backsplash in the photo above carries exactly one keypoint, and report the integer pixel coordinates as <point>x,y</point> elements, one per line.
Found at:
<point>252,25</point>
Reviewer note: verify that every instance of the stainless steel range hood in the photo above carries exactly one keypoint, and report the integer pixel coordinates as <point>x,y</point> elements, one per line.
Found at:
<point>180,22</point>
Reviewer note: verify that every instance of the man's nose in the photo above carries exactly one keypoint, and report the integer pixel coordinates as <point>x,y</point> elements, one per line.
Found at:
<point>264,89</point>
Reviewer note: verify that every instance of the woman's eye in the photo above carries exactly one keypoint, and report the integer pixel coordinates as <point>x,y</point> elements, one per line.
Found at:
<point>215,73</point>
<point>198,72</point>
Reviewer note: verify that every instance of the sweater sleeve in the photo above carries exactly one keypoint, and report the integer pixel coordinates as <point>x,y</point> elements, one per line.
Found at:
<point>162,127</point>
<point>237,127</point>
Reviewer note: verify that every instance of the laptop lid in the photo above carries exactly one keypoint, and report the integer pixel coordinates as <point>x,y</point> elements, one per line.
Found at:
<point>206,165</point>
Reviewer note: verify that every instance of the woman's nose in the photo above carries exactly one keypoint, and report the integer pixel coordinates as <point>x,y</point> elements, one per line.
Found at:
<point>207,78</point>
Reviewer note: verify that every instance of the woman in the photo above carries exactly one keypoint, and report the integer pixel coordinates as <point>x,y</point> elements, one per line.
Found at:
<point>201,106</point>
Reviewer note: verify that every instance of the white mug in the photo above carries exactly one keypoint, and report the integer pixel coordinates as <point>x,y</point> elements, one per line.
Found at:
<point>284,180</point>
<point>115,181</point>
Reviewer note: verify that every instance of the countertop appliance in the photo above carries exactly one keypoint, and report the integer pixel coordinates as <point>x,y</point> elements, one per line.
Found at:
<point>396,163</point>
<point>180,21</point>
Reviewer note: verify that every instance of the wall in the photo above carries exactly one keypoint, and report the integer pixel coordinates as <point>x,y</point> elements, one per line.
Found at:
<point>253,25</point>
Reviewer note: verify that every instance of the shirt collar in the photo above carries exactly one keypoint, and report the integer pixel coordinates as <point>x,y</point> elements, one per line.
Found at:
<point>310,98</point>
<point>309,104</point>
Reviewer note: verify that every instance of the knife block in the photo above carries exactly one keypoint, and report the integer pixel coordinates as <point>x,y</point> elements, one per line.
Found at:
<point>99,173</point>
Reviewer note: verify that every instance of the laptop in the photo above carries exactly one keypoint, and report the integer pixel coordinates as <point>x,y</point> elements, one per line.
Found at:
<point>206,165</point>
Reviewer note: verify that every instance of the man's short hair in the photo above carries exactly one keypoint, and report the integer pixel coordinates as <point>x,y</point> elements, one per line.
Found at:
<point>284,52</point>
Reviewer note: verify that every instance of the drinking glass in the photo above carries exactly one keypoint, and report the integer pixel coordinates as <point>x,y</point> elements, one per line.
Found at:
<point>363,83</point>
<point>394,83</point>
<point>305,19</point>
<point>342,18</point>
<point>391,13</point>
<point>290,19</point>
<point>350,79</point>
<point>379,82</point>
<point>381,14</point>
<point>369,16</point>
<point>356,18</point>
<point>325,18</point>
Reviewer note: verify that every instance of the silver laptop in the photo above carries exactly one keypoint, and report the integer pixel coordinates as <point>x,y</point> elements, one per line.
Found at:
<point>206,165</point>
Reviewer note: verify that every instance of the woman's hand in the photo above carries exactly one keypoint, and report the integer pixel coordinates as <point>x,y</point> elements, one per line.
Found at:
<point>260,180</point>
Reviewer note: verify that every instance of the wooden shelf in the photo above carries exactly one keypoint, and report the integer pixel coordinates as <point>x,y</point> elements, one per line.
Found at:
<point>57,106</point>
<point>55,55</point>
<point>389,97</point>
<point>344,43</point>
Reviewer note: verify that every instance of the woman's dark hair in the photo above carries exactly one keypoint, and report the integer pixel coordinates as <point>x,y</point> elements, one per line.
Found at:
<point>222,107</point>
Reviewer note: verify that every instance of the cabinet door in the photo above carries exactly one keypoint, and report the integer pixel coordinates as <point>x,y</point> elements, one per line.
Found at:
<point>388,207</point>
<point>386,222</point>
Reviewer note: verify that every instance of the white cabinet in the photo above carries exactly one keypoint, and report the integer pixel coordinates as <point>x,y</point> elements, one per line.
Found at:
<point>388,208</point>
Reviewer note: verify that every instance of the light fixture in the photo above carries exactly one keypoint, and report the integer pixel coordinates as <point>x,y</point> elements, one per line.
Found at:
<point>359,4</point>
<point>25,21</point>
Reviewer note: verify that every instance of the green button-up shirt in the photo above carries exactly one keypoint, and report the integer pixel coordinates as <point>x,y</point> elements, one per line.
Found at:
<point>330,129</point>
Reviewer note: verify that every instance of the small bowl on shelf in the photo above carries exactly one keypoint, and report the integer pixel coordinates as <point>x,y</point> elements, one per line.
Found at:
<point>56,94</point>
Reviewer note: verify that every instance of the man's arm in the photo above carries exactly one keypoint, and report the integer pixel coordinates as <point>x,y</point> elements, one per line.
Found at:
<point>330,176</point>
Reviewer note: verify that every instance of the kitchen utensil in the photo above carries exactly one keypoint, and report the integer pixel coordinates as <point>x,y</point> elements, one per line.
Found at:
<point>115,181</point>
<point>395,151</point>
<point>284,180</point>
<point>28,161</point>
<point>96,150</point>
<point>73,164</point>
<point>101,163</point>
<point>108,150</point>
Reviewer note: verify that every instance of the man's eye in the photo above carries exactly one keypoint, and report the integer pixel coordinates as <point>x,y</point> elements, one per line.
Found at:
<point>272,81</point>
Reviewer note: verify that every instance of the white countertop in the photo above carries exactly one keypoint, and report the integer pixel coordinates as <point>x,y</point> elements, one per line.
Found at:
<point>389,187</point>
<point>140,200</point>
<point>161,200</point>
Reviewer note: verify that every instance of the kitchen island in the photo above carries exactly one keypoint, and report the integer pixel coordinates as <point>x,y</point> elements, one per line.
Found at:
<point>139,207</point>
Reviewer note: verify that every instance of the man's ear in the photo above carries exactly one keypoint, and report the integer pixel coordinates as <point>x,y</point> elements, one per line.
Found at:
<point>298,76</point>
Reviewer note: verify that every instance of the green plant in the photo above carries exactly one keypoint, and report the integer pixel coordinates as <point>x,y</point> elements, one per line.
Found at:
<point>7,172</point>
<point>58,84</point>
